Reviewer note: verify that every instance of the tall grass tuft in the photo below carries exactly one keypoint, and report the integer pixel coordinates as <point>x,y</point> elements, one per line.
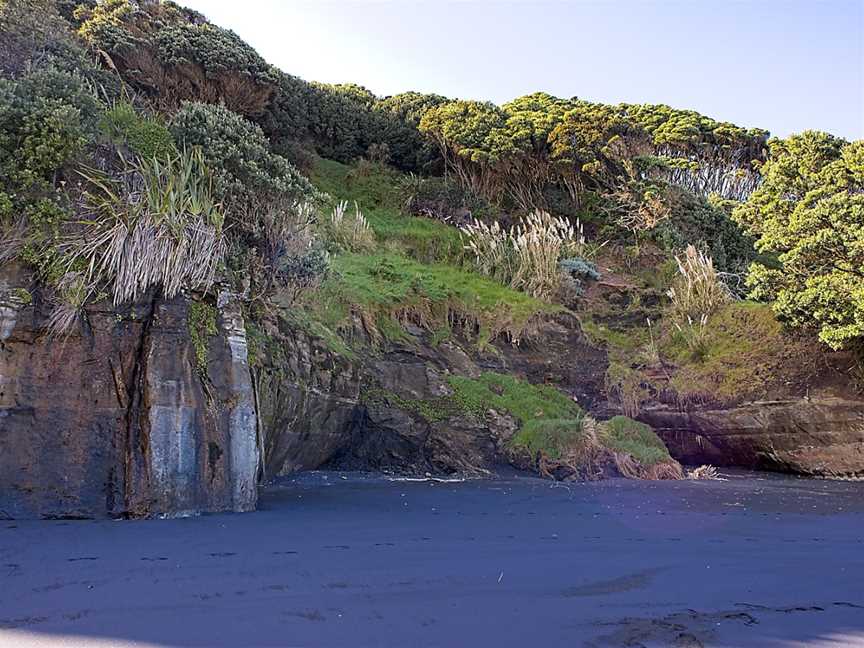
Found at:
<point>696,293</point>
<point>160,224</point>
<point>526,256</point>
<point>697,290</point>
<point>350,231</point>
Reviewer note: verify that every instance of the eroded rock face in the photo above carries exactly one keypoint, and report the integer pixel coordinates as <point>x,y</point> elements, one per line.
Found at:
<point>821,436</point>
<point>117,419</point>
<point>308,401</point>
<point>322,409</point>
<point>391,408</point>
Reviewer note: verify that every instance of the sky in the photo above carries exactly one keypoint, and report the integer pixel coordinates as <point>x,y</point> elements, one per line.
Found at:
<point>782,65</point>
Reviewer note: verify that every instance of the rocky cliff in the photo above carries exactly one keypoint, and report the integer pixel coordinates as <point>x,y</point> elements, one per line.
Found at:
<point>154,410</point>
<point>125,416</point>
<point>819,436</point>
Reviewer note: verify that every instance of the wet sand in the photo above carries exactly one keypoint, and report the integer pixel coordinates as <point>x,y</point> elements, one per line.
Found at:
<point>349,560</point>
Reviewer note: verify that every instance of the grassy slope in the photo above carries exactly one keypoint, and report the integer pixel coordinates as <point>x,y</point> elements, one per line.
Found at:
<point>376,190</point>
<point>746,353</point>
<point>549,420</point>
<point>412,274</point>
<point>417,272</point>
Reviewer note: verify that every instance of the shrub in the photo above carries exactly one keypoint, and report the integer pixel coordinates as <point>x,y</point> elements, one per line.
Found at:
<point>707,224</point>
<point>238,153</point>
<point>47,117</point>
<point>148,137</point>
<point>37,34</point>
<point>304,271</point>
<point>343,122</point>
<point>580,268</point>
<point>441,199</point>
<point>808,216</point>
<point>173,55</point>
<point>575,272</point>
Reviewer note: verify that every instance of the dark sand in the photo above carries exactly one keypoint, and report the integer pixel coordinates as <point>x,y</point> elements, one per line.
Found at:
<point>347,560</point>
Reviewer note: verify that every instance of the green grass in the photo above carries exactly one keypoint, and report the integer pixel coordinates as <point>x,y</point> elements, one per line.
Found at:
<point>549,420</point>
<point>627,342</point>
<point>376,190</point>
<point>744,351</point>
<point>435,409</point>
<point>386,286</point>
<point>622,434</point>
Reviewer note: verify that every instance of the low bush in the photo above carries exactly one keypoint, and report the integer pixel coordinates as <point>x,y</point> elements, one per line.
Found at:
<point>171,55</point>
<point>147,137</point>
<point>707,224</point>
<point>238,152</point>
<point>47,118</point>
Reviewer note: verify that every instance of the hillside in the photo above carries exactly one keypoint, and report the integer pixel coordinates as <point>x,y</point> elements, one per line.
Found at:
<point>213,272</point>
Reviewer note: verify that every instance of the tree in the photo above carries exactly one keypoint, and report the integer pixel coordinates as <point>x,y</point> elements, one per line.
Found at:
<point>808,215</point>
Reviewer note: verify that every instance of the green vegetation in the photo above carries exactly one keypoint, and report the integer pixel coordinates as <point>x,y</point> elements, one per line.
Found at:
<point>744,353</point>
<point>239,153</point>
<point>432,410</point>
<point>808,215</point>
<point>147,137</point>
<point>47,117</point>
<point>383,287</point>
<point>622,434</point>
<point>172,55</point>
<point>201,323</point>
<point>376,189</point>
<point>625,152</point>
<point>169,236</point>
<point>549,420</point>
<point>359,218</point>
<point>22,296</point>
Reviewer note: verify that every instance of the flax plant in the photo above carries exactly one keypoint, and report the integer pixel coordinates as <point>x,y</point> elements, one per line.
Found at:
<point>160,224</point>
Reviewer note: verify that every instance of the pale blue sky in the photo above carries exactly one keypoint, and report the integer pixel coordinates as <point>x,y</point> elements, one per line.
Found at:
<point>781,65</point>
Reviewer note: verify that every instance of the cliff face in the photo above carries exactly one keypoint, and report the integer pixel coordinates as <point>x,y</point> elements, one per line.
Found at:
<point>394,409</point>
<point>384,411</point>
<point>819,436</point>
<point>119,419</point>
<point>153,410</point>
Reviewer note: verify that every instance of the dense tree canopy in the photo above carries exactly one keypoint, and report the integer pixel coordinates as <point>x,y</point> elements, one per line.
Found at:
<point>520,148</point>
<point>808,214</point>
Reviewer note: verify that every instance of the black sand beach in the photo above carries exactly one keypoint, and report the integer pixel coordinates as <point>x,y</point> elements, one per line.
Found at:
<point>347,560</point>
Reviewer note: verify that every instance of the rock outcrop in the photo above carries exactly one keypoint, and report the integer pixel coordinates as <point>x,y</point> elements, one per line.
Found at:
<point>391,409</point>
<point>819,436</point>
<point>120,418</point>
